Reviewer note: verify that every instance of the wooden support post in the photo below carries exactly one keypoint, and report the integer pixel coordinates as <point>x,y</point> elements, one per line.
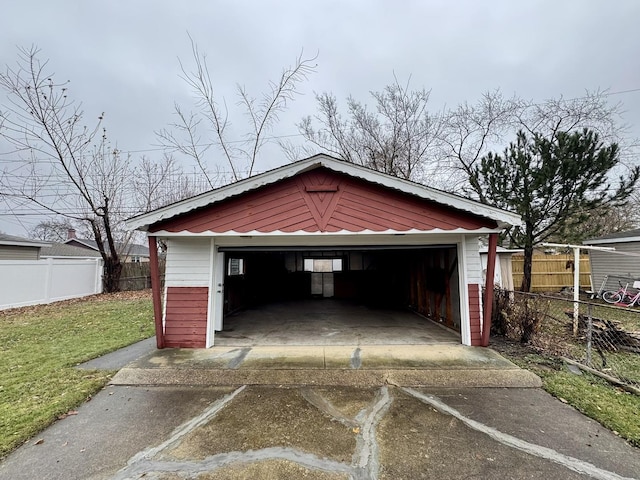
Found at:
<point>155,289</point>
<point>488,289</point>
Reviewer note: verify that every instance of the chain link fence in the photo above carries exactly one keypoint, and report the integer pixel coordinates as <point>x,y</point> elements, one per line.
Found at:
<point>598,335</point>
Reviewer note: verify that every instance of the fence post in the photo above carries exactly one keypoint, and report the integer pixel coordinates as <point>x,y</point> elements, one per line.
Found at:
<point>589,332</point>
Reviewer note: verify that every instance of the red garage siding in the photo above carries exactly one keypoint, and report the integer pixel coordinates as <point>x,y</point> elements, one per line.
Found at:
<point>186,317</point>
<point>474,314</point>
<point>322,200</point>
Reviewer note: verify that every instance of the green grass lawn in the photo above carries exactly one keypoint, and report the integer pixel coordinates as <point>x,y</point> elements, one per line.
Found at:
<point>40,347</point>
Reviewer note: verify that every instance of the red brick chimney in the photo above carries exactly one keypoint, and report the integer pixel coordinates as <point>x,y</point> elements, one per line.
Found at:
<point>71,233</point>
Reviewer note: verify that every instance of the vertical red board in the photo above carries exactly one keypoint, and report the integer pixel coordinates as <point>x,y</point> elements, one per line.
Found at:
<point>186,317</point>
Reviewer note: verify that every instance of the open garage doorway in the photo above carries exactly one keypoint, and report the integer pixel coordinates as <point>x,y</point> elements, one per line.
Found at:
<point>364,295</point>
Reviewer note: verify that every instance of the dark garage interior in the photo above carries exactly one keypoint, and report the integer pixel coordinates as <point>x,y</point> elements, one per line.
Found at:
<point>424,280</point>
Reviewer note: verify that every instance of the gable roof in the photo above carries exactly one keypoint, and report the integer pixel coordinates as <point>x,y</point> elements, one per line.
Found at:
<point>64,250</point>
<point>619,237</point>
<point>502,217</point>
<point>20,242</point>
<point>125,249</point>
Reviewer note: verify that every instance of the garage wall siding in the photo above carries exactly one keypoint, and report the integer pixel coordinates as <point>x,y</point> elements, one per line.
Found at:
<point>473,263</point>
<point>474,287</point>
<point>188,262</point>
<point>475,314</point>
<point>187,296</point>
<point>186,317</point>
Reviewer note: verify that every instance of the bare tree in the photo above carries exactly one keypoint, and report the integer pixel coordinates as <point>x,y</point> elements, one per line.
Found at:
<point>400,137</point>
<point>195,132</point>
<point>157,184</point>
<point>64,167</point>
<point>54,230</point>
<point>472,130</point>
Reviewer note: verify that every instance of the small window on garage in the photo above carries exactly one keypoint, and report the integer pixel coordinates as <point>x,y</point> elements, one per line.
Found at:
<point>236,266</point>
<point>323,265</point>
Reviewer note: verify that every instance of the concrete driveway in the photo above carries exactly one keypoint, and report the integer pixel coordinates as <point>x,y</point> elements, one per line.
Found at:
<point>389,430</point>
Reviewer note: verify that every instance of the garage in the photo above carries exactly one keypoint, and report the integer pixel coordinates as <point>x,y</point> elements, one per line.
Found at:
<point>340,296</point>
<point>318,230</point>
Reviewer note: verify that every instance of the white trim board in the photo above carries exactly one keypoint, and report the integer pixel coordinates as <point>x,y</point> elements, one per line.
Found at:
<point>302,233</point>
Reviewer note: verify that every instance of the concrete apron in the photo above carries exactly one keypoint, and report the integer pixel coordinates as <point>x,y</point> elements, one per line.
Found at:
<point>358,366</point>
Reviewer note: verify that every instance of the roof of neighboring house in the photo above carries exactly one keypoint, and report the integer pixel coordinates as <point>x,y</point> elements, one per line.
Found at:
<point>63,250</point>
<point>125,249</point>
<point>619,237</point>
<point>502,217</point>
<point>20,242</point>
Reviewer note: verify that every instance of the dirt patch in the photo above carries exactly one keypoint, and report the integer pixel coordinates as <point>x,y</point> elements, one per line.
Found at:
<point>269,417</point>
<point>525,356</point>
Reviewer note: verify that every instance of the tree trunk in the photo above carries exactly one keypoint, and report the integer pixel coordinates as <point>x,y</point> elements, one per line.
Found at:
<point>527,267</point>
<point>112,272</point>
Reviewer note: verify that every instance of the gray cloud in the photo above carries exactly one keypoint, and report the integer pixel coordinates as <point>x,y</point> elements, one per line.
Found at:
<point>121,56</point>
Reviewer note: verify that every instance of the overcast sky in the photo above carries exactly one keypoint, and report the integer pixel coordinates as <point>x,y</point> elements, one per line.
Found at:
<point>122,56</point>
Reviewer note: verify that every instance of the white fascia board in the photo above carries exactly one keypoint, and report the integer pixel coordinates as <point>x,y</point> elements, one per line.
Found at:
<point>302,233</point>
<point>503,217</point>
<point>612,240</point>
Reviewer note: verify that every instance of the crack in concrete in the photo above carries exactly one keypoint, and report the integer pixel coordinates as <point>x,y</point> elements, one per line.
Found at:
<point>365,463</point>
<point>356,359</point>
<point>366,458</point>
<point>190,468</point>
<point>179,433</point>
<point>326,407</point>
<point>239,358</point>
<point>577,465</point>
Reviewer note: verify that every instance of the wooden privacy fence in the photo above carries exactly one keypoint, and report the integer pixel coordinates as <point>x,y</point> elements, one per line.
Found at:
<point>137,276</point>
<point>551,273</point>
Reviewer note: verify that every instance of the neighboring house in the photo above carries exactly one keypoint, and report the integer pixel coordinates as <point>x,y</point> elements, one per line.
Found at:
<point>319,227</point>
<point>623,265</point>
<point>131,253</point>
<point>63,250</point>
<point>18,248</point>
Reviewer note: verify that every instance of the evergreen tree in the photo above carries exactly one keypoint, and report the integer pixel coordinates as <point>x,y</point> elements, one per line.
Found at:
<point>552,183</point>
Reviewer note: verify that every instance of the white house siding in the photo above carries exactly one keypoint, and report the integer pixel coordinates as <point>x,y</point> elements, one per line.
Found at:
<point>614,264</point>
<point>15,252</point>
<point>188,262</point>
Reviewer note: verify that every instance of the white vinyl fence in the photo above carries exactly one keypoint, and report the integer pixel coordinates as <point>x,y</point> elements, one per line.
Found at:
<point>31,282</point>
